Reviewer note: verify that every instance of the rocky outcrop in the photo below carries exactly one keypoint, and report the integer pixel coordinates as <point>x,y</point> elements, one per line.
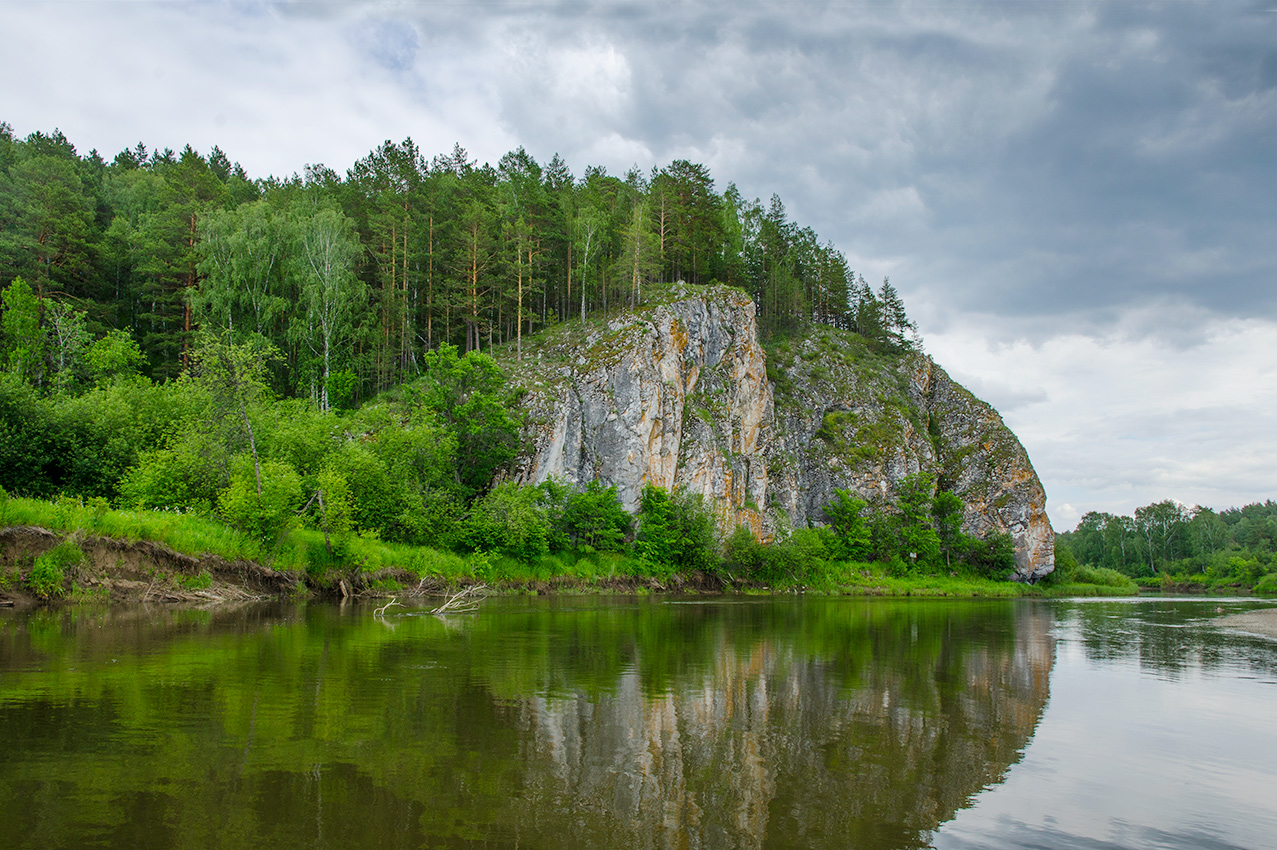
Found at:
<point>681,394</point>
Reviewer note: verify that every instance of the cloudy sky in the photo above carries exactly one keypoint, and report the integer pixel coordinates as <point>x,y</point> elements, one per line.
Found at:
<point>1078,200</point>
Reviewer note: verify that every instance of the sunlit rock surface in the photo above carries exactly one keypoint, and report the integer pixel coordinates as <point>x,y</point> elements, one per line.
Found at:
<point>682,395</point>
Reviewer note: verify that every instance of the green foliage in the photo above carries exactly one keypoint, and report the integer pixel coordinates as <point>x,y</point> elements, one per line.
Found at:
<point>202,580</point>
<point>341,387</point>
<point>800,558</point>
<point>676,532</point>
<point>261,507</point>
<point>993,556</point>
<point>509,520</point>
<point>946,511</point>
<point>468,394</point>
<point>1166,543</point>
<point>23,337</point>
<point>746,558</point>
<point>594,519</point>
<point>851,540</point>
<point>114,355</point>
<point>833,428</point>
<point>49,571</point>
<point>1267,586</point>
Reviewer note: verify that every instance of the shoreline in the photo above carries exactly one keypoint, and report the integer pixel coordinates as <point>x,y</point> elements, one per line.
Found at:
<point>1262,621</point>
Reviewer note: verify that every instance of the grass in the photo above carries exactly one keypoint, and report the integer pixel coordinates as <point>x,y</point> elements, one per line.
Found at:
<point>872,580</point>
<point>299,550</point>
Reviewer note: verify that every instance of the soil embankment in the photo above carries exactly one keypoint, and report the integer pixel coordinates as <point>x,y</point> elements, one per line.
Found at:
<point>144,571</point>
<point>135,571</point>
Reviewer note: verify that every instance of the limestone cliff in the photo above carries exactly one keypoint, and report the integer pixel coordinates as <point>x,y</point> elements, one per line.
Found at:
<point>681,394</point>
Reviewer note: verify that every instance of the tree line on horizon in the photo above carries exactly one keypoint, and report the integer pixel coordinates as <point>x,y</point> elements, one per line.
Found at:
<point>353,278</point>
<point>1169,540</point>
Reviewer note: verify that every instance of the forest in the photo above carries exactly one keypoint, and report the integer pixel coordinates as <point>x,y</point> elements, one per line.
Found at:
<point>353,278</point>
<point>1167,544</point>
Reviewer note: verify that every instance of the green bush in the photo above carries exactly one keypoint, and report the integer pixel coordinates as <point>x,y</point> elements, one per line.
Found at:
<point>263,514</point>
<point>851,539</point>
<point>509,520</point>
<point>676,532</point>
<point>594,519</point>
<point>993,556</point>
<point>47,578</point>
<point>1267,586</point>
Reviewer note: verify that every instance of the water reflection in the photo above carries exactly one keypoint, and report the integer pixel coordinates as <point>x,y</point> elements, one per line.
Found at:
<point>795,723</point>
<point>1166,637</point>
<point>1157,737</point>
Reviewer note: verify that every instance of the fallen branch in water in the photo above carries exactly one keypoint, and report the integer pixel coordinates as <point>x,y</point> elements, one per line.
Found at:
<point>463,601</point>
<point>381,612</point>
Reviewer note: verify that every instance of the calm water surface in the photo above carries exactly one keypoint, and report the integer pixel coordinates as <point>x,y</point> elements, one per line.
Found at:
<point>666,724</point>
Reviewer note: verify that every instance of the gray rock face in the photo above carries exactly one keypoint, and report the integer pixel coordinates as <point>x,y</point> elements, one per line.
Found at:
<point>680,395</point>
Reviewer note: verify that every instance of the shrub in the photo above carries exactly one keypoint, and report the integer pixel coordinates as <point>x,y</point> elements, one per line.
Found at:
<point>595,519</point>
<point>851,538</point>
<point>48,574</point>
<point>676,531</point>
<point>509,520</point>
<point>993,556</point>
<point>1267,586</point>
<point>264,515</point>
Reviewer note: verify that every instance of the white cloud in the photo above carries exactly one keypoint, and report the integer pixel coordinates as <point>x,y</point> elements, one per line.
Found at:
<point>1112,424</point>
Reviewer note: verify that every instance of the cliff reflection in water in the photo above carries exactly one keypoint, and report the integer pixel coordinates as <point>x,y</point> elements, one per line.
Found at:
<point>864,725</point>
<point>768,723</point>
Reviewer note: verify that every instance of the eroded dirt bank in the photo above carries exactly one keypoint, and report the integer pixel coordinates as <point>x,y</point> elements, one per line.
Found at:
<point>142,571</point>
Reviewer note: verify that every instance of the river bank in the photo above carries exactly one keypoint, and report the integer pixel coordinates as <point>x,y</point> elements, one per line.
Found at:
<point>1261,622</point>
<point>105,568</point>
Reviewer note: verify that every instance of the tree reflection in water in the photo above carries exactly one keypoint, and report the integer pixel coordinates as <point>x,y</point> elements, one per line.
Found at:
<point>768,723</point>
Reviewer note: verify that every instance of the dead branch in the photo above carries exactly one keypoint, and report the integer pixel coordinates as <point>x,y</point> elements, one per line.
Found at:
<point>381,612</point>
<point>464,601</point>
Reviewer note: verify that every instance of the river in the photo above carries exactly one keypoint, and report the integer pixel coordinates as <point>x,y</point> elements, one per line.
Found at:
<point>640,723</point>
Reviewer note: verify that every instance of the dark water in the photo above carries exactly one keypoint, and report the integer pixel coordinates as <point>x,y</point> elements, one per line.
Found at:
<point>672,724</point>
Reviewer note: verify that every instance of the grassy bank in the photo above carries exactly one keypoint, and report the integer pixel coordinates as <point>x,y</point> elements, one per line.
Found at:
<point>372,566</point>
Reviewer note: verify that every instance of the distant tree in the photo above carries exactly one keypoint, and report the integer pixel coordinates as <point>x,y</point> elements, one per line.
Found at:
<point>1161,527</point>
<point>594,518</point>
<point>243,252</point>
<point>509,519</point>
<point>900,329</point>
<point>467,393</point>
<point>234,376</point>
<point>23,337</point>
<point>917,540</point>
<point>946,509</point>
<point>330,293</point>
<point>676,532</point>
<point>68,341</point>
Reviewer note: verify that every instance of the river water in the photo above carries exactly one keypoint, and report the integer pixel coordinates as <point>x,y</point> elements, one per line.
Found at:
<point>641,723</point>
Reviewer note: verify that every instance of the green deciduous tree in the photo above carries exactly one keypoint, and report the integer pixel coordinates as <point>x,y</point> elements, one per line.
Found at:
<point>261,498</point>
<point>594,518</point>
<point>24,340</point>
<point>330,293</point>
<point>509,519</point>
<point>851,534</point>
<point>676,532</point>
